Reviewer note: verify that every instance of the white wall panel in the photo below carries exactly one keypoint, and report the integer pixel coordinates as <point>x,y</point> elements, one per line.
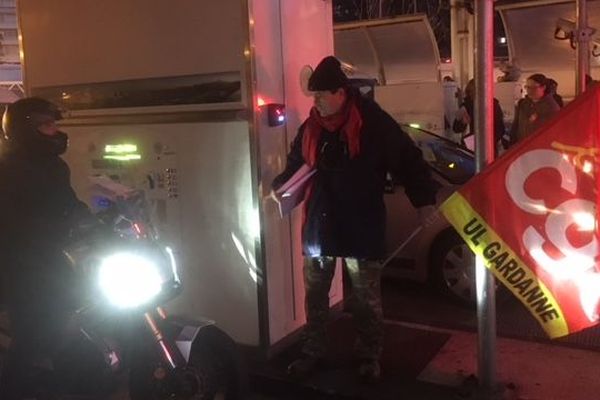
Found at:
<point>211,224</point>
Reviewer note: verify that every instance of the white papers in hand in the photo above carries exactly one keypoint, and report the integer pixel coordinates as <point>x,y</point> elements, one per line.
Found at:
<point>291,193</point>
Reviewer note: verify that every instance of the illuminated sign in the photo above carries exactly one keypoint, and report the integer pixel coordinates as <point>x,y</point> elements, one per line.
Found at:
<point>120,148</point>
<point>121,152</point>
<point>122,157</point>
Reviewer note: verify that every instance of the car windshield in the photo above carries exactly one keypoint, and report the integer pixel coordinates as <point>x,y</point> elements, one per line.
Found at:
<point>453,162</point>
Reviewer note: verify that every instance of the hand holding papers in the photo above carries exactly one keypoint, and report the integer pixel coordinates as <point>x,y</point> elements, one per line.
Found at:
<point>291,193</point>
<point>102,185</point>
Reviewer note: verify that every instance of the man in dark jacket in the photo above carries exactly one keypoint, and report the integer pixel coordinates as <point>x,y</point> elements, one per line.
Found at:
<point>352,143</point>
<point>37,209</point>
<point>466,118</point>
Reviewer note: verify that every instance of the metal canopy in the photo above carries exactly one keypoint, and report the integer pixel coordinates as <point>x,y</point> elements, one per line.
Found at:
<point>530,28</point>
<point>397,50</point>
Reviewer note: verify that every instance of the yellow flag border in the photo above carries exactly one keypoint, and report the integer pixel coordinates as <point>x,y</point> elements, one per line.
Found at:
<point>459,213</point>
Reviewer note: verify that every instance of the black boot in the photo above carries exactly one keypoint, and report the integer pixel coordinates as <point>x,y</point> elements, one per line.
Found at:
<point>369,371</point>
<point>304,367</point>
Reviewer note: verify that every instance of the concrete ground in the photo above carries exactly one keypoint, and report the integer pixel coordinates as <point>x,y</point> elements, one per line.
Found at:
<point>533,371</point>
<point>525,371</point>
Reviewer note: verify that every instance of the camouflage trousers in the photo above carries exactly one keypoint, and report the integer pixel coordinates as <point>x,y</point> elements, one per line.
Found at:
<point>364,303</point>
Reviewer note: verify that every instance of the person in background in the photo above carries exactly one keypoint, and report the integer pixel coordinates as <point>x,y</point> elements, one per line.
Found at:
<point>589,81</point>
<point>38,210</point>
<point>537,107</point>
<point>512,73</point>
<point>353,144</point>
<point>465,117</point>
<point>553,90</point>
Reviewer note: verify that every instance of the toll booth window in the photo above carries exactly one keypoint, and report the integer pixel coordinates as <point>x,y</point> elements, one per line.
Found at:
<point>180,90</point>
<point>452,161</point>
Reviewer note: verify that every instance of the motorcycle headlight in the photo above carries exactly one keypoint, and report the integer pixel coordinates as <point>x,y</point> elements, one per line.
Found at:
<point>129,280</point>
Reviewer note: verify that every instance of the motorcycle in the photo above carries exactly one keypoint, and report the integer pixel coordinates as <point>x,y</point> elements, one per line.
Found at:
<point>123,275</point>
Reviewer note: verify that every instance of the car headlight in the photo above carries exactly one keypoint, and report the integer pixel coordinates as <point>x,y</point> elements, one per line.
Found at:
<point>129,280</point>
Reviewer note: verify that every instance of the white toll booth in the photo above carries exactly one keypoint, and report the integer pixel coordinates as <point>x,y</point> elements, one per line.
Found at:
<point>402,55</point>
<point>174,99</point>
<point>531,27</point>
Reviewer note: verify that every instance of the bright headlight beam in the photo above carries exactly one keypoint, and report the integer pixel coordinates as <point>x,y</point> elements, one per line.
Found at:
<point>129,280</point>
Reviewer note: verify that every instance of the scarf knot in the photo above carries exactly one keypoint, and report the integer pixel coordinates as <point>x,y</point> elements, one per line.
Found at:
<point>347,121</point>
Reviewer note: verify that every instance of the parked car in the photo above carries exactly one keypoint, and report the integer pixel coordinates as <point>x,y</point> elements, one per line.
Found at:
<point>436,254</point>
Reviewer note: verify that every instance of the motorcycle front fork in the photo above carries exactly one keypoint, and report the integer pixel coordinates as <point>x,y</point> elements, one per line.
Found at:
<point>171,354</point>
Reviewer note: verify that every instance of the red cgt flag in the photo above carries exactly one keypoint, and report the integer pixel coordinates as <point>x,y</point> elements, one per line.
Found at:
<point>531,216</point>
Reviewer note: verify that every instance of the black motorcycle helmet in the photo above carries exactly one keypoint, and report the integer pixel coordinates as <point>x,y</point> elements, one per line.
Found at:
<point>20,124</point>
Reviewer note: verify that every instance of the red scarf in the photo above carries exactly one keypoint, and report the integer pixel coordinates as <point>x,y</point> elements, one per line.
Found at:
<point>348,121</point>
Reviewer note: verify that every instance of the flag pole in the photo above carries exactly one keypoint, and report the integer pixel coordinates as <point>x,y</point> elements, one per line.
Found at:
<point>484,154</point>
<point>582,39</point>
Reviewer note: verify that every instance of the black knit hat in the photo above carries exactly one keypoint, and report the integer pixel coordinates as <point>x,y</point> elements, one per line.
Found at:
<point>327,76</point>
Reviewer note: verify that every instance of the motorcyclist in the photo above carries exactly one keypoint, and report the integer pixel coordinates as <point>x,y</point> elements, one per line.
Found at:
<point>38,208</point>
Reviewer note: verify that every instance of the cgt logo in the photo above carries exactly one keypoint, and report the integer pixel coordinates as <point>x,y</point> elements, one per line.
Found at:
<point>562,237</point>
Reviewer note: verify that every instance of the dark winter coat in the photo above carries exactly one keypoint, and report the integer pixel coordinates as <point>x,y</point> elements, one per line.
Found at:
<point>345,213</point>
<point>38,207</point>
<point>530,115</point>
<point>460,126</point>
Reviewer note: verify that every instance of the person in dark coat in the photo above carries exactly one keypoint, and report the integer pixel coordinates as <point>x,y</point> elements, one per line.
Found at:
<point>533,110</point>
<point>553,90</point>
<point>352,143</point>
<point>38,207</point>
<point>465,117</point>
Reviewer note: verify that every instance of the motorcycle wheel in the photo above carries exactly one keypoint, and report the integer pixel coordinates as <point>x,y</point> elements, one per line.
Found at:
<point>214,372</point>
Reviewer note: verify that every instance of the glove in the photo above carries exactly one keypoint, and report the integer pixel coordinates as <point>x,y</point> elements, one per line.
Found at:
<point>427,215</point>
